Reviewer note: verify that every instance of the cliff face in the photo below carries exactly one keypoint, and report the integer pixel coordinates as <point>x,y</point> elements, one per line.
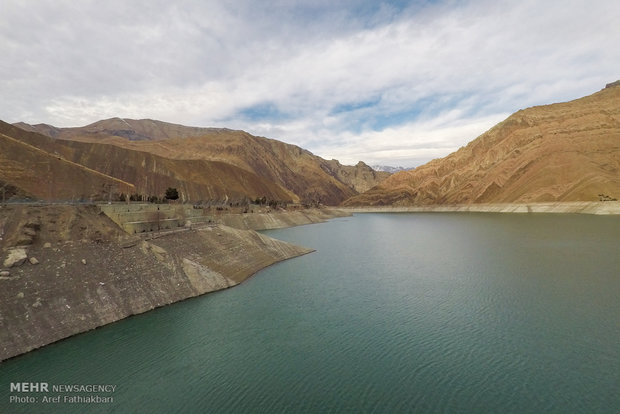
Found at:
<point>309,177</point>
<point>561,152</point>
<point>87,273</point>
<point>359,177</point>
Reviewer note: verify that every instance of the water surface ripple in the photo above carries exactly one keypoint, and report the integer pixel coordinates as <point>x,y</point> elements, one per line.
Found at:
<point>449,313</point>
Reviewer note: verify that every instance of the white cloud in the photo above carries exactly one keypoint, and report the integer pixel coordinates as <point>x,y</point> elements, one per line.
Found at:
<point>406,145</point>
<point>348,81</point>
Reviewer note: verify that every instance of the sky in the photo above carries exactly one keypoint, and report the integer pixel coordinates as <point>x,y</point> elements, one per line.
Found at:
<point>391,83</point>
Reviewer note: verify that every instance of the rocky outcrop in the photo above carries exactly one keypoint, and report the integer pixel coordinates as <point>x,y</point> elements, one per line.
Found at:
<point>561,152</point>
<point>359,177</point>
<point>613,84</point>
<point>16,257</point>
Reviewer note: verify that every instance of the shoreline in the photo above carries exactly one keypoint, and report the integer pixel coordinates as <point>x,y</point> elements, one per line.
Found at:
<point>75,289</point>
<point>280,219</point>
<point>572,207</point>
<point>80,284</point>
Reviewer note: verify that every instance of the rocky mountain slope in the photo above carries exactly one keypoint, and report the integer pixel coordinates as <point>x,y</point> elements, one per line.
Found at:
<point>307,176</point>
<point>561,152</point>
<point>31,172</point>
<point>54,169</point>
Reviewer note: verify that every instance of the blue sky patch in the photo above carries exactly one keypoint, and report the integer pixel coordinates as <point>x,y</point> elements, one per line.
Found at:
<point>354,106</point>
<point>263,111</point>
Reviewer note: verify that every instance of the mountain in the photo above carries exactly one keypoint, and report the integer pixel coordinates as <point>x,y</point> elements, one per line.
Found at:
<point>129,129</point>
<point>203,163</point>
<point>120,170</point>
<point>561,152</point>
<point>388,169</point>
<point>359,177</point>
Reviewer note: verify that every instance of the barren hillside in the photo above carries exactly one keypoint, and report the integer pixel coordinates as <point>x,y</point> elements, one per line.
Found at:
<point>310,177</point>
<point>561,152</point>
<point>55,169</point>
<point>31,172</point>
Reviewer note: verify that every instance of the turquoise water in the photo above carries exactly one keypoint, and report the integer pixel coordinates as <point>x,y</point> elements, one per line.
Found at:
<point>451,313</point>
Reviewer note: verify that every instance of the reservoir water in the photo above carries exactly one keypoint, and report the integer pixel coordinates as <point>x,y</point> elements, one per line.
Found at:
<point>438,312</point>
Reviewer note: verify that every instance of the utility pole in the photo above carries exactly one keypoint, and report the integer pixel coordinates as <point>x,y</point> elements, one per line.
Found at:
<point>48,180</point>
<point>49,177</point>
<point>109,187</point>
